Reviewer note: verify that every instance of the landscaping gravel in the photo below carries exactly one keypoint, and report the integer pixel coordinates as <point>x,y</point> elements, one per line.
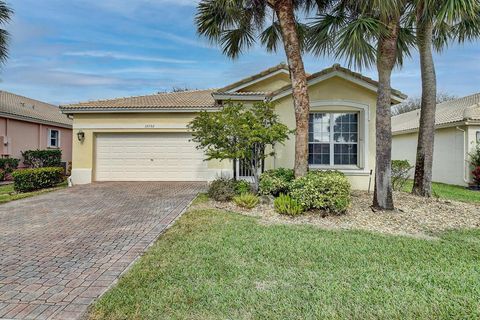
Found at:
<point>414,216</point>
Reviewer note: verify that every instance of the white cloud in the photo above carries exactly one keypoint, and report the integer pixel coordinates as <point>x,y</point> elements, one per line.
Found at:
<point>123,56</point>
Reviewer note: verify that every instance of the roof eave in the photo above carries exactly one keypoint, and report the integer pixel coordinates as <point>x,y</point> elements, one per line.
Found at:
<point>35,120</point>
<point>136,110</point>
<point>438,126</point>
<point>226,96</point>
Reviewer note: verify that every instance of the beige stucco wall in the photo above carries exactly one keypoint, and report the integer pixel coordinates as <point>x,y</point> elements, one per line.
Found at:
<point>273,83</point>
<point>23,135</point>
<point>448,157</point>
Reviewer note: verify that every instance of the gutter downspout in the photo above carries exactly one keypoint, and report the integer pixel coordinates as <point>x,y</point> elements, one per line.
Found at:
<point>465,160</point>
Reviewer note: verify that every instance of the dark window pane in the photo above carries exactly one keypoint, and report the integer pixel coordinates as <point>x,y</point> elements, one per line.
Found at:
<point>310,159</point>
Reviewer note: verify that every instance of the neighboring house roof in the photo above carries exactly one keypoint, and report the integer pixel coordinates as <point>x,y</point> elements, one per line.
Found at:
<point>184,100</point>
<point>207,99</point>
<point>26,109</point>
<point>448,113</point>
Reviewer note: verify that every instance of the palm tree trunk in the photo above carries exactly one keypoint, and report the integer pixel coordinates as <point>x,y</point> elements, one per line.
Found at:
<point>386,57</point>
<point>301,103</point>
<point>422,185</point>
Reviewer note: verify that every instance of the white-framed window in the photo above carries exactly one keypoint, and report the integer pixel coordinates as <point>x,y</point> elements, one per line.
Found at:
<point>53,138</point>
<point>333,139</point>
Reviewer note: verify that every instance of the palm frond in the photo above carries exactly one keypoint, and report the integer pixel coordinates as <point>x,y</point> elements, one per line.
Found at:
<point>5,12</point>
<point>235,41</point>
<point>355,42</point>
<point>271,37</point>
<point>454,10</point>
<point>4,40</point>
<point>467,29</point>
<point>215,16</point>
<point>442,34</point>
<point>405,41</point>
<point>322,32</point>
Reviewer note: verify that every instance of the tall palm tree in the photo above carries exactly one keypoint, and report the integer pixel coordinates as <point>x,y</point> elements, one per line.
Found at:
<point>437,22</point>
<point>367,32</point>
<point>237,24</point>
<point>5,16</point>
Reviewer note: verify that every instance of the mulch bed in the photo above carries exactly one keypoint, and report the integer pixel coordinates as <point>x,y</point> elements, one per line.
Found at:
<point>414,216</point>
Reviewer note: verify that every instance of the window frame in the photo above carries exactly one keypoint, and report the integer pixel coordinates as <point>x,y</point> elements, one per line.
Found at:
<point>331,143</point>
<point>364,127</point>
<point>50,131</point>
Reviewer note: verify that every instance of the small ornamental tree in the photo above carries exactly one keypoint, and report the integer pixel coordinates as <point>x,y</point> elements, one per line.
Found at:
<point>239,132</point>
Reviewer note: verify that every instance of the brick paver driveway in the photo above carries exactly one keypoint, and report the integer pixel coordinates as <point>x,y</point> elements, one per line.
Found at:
<point>60,251</point>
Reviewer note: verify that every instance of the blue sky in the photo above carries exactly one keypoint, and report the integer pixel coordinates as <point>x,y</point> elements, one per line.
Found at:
<point>68,51</point>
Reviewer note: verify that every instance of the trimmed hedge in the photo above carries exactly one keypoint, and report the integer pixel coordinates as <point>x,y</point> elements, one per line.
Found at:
<point>7,166</point>
<point>34,179</point>
<point>275,182</point>
<point>42,158</point>
<point>326,190</point>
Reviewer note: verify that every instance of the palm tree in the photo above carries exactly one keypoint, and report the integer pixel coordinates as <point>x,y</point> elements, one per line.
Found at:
<point>236,25</point>
<point>437,21</point>
<point>367,32</point>
<point>5,16</point>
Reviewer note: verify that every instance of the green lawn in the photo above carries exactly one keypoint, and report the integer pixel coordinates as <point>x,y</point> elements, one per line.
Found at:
<point>7,193</point>
<point>450,192</point>
<point>217,265</point>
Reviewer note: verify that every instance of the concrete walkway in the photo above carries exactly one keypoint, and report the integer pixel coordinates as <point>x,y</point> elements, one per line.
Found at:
<point>60,251</point>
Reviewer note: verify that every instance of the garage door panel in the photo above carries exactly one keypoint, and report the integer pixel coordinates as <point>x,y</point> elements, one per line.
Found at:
<point>149,157</point>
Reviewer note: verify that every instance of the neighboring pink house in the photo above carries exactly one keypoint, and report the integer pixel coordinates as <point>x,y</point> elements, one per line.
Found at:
<point>27,124</point>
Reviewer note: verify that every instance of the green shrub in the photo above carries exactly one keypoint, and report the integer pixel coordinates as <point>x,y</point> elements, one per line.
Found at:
<point>326,190</point>
<point>475,157</point>
<point>275,182</point>
<point>42,158</point>
<point>8,165</point>
<point>222,189</point>
<point>38,178</point>
<point>285,204</point>
<point>400,174</point>
<point>246,200</point>
<point>242,186</point>
<point>2,175</point>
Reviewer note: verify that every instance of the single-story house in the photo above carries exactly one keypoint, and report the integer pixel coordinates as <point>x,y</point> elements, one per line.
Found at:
<point>457,133</point>
<point>146,138</point>
<point>28,124</point>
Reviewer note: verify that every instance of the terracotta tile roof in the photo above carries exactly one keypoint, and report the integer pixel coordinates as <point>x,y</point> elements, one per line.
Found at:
<point>337,67</point>
<point>450,112</point>
<point>194,99</point>
<point>15,106</point>
<point>199,99</point>
<point>281,66</point>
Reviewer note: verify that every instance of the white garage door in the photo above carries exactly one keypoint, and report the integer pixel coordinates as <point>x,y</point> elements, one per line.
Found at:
<point>148,157</point>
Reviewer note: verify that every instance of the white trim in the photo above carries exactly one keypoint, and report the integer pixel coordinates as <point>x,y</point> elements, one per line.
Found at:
<point>271,74</point>
<point>138,110</point>
<point>364,115</point>
<point>81,176</point>
<point>137,125</point>
<point>49,138</point>
<point>342,75</point>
